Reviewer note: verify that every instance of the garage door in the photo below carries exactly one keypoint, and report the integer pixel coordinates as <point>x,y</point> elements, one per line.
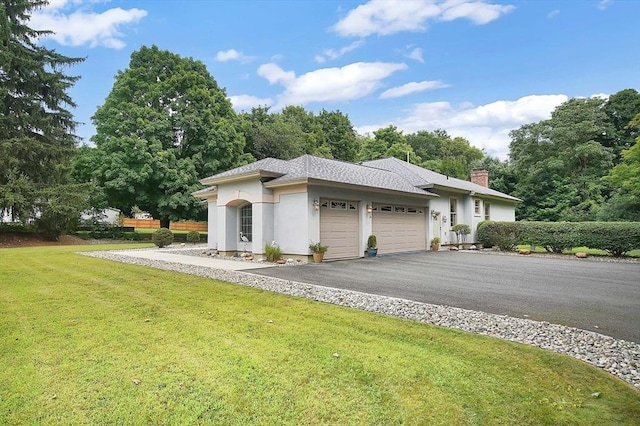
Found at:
<point>399,228</point>
<point>339,228</point>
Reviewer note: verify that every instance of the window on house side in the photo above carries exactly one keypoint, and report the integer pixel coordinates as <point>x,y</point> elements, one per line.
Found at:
<point>246,221</point>
<point>453,211</point>
<point>476,204</point>
<point>487,211</point>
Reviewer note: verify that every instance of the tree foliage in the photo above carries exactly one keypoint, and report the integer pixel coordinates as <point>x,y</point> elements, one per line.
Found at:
<point>164,125</point>
<point>559,162</point>
<point>37,138</point>
<point>295,131</point>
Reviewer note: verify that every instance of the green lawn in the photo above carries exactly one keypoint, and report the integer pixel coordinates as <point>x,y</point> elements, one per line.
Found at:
<point>76,332</point>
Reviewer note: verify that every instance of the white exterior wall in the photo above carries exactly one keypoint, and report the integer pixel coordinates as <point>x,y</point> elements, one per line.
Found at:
<point>212,224</point>
<point>502,212</point>
<point>291,216</point>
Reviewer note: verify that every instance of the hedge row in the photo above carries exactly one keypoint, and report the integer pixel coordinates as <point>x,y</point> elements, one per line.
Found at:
<point>138,236</point>
<point>617,238</point>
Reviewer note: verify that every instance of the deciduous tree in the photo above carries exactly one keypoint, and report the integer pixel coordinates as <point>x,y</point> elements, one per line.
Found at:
<point>164,125</point>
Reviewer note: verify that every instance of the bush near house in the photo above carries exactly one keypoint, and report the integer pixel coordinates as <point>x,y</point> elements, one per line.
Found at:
<point>162,237</point>
<point>616,238</point>
<point>193,237</point>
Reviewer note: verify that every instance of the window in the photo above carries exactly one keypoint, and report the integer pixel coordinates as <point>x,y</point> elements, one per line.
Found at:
<point>453,211</point>
<point>487,211</point>
<point>476,204</point>
<point>386,209</point>
<point>338,205</point>
<point>400,209</point>
<point>246,222</point>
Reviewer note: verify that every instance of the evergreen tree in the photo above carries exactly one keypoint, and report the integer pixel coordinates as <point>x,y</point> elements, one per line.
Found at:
<point>36,128</point>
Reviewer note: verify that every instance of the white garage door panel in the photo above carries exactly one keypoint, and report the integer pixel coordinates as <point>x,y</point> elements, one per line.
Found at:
<point>398,232</point>
<point>339,229</point>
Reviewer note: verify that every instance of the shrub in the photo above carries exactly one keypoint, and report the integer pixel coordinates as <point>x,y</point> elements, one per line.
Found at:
<point>193,237</point>
<point>617,238</point>
<point>162,237</point>
<point>484,235</point>
<point>505,235</point>
<point>555,237</point>
<point>318,248</point>
<point>272,253</point>
<point>372,242</point>
<point>435,240</point>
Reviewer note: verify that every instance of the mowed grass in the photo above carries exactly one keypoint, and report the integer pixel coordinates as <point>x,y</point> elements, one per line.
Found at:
<point>89,341</point>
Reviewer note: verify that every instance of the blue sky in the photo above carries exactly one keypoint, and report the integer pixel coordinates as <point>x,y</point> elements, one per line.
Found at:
<point>477,69</point>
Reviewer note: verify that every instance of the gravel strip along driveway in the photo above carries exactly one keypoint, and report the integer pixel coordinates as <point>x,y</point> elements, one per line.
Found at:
<point>619,357</point>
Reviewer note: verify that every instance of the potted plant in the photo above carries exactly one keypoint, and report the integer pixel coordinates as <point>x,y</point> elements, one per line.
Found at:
<point>372,246</point>
<point>318,251</point>
<point>435,243</point>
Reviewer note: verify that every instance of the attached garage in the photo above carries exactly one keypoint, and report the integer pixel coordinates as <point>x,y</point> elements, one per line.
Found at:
<point>399,228</point>
<point>339,228</point>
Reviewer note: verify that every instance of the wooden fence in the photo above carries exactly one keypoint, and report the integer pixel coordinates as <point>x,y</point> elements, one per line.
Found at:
<point>174,226</point>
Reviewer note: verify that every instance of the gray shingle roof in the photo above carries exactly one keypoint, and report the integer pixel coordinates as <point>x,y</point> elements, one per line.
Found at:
<point>424,178</point>
<point>323,169</point>
<point>269,165</point>
<point>389,174</point>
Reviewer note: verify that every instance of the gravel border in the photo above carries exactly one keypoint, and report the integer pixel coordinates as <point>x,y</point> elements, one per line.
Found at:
<point>619,357</point>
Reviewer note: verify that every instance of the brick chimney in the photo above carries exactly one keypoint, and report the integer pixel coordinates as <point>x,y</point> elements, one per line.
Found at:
<point>480,177</point>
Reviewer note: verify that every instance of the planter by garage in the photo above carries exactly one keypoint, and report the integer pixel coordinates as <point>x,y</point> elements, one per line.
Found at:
<point>372,252</point>
<point>318,257</point>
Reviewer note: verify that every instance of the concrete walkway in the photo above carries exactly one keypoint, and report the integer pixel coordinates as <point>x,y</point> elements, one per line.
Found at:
<point>169,255</point>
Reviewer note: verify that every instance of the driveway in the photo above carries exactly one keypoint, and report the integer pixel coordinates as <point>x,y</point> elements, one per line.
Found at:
<point>592,295</point>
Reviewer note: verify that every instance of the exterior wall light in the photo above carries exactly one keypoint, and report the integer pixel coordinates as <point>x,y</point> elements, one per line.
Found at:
<point>369,208</point>
<point>316,204</point>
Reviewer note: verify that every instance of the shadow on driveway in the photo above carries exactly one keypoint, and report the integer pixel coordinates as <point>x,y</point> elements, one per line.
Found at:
<point>592,295</point>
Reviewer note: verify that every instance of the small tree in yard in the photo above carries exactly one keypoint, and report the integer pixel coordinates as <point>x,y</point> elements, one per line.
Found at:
<point>461,230</point>
<point>162,237</point>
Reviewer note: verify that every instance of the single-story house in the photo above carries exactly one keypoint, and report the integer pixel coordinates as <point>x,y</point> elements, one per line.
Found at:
<point>310,199</point>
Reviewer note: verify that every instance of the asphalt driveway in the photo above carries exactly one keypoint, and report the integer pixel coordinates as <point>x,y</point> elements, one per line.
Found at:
<point>599,296</point>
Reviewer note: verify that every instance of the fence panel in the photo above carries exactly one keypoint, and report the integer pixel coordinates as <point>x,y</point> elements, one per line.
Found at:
<point>174,226</point>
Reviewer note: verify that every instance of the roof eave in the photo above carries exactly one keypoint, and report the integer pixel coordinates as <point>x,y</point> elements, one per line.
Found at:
<point>254,174</point>
<point>332,184</point>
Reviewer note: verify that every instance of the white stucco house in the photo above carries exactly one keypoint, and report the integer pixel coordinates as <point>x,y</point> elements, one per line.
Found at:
<point>310,199</point>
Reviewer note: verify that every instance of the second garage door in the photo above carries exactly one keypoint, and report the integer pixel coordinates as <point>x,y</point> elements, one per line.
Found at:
<point>399,228</point>
<point>339,228</point>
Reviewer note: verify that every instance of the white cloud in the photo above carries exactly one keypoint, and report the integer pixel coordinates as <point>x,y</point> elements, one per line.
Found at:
<point>553,14</point>
<point>416,54</point>
<point>274,74</point>
<point>478,12</point>
<point>486,127</point>
<point>604,4</point>
<point>413,87</point>
<point>241,102</point>
<point>384,17</point>
<point>82,26</point>
<point>232,55</point>
<point>352,81</point>
<point>335,54</point>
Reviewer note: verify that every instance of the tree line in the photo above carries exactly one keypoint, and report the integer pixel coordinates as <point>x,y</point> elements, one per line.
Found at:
<point>167,123</point>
